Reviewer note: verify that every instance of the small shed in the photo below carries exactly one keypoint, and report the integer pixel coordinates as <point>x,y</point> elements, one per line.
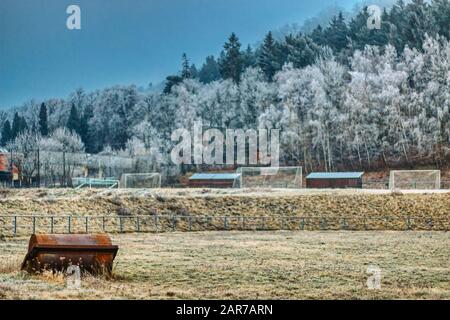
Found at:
<point>215,180</point>
<point>324,180</point>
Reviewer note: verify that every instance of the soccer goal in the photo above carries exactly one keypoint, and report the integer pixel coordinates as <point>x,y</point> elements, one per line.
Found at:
<point>140,180</point>
<point>415,179</point>
<point>109,183</point>
<point>270,177</point>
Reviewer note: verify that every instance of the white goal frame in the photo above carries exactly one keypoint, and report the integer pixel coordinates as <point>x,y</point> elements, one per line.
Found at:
<point>267,172</point>
<point>124,179</point>
<point>436,182</point>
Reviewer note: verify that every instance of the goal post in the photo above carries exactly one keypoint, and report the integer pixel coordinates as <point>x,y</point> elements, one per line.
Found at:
<point>140,180</point>
<point>270,177</point>
<point>415,179</point>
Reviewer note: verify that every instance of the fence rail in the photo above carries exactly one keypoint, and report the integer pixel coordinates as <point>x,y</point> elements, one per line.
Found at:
<point>14,225</point>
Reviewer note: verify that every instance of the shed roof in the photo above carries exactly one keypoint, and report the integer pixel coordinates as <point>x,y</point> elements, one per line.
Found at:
<point>215,176</point>
<point>335,175</point>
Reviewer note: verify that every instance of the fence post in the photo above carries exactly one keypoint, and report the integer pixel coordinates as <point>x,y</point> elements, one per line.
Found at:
<point>190,223</point>
<point>34,224</point>
<point>69,224</point>
<point>323,223</point>
<point>282,222</point>
<point>121,224</point>
<point>173,223</point>
<point>156,223</point>
<point>302,223</point>
<point>51,224</point>
<point>138,225</point>
<point>207,223</point>
<point>15,225</point>
<point>104,223</point>
<point>263,223</point>
<point>225,223</point>
<point>429,221</point>
<point>344,224</point>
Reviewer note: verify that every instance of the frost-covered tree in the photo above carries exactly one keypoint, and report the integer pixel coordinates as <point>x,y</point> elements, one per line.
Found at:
<point>371,104</point>
<point>255,94</point>
<point>64,148</point>
<point>343,96</point>
<point>24,154</point>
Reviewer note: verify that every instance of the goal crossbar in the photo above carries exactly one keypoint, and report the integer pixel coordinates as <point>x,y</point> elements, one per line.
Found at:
<point>414,179</point>
<point>270,177</point>
<point>141,180</point>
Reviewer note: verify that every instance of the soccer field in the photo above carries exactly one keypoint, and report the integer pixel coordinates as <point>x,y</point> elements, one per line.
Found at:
<point>251,265</point>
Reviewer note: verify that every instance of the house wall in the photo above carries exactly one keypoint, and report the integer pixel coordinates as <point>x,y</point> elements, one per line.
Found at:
<point>211,183</point>
<point>333,183</point>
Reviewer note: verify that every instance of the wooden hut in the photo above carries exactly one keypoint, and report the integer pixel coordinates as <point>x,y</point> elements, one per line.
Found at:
<point>335,180</point>
<point>215,180</point>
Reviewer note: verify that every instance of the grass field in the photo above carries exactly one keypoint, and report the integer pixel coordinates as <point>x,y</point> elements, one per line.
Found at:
<point>251,265</point>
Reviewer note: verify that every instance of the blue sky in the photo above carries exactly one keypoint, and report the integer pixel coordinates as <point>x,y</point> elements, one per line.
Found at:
<point>124,41</point>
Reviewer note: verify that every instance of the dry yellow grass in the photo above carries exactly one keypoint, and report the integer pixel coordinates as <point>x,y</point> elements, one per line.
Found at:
<point>252,265</point>
<point>362,209</point>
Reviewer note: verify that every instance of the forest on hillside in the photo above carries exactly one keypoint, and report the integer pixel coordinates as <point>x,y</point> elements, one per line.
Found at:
<point>343,96</point>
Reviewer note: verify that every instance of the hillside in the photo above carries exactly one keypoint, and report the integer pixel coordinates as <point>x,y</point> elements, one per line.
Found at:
<point>206,209</point>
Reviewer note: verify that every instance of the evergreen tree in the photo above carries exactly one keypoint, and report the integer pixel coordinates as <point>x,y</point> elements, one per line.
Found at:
<point>15,128</point>
<point>43,120</point>
<point>187,71</point>
<point>186,68</point>
<point>73,123</point>
<point>6,133</point>
<point>397,23</point>
<point>210,71</point>
<point>19,125</point>
<point>170,82</point>
<point>440,14</point>
<point>249,58</point>
<point>417,23</point>
<point>337,34</point>
<point>84,128</point>
<point>301,50</point>
<point>193,71</point>
<point>318,35</point>
<point>231,62</point>
<point>362,36</point>
<point>23,125</point>
<point>267,59</point>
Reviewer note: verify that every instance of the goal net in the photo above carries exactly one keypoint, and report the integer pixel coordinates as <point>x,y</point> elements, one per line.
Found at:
<point>415,179</point>
<point>270,177</point>
<point>140,180</point>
